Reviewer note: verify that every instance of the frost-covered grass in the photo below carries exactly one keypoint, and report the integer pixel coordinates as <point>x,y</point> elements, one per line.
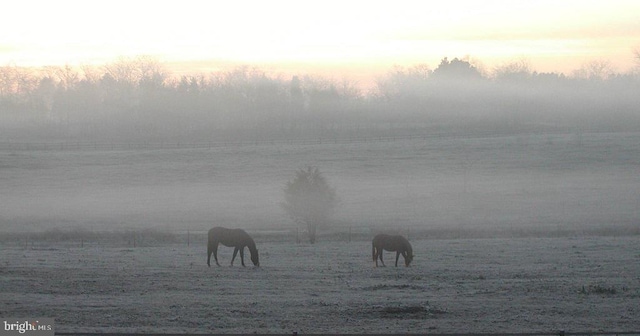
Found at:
<point>96,238</point>
<point>455,285</point>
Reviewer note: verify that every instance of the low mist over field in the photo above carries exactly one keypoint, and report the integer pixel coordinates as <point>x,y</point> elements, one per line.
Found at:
<point>550,182</point>
<point>139,100</point>
<point>129,146</point>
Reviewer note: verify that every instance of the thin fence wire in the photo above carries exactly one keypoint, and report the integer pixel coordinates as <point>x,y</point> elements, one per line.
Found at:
<point>150,237</point>
<point>113,146</point>
<point>171,145</point>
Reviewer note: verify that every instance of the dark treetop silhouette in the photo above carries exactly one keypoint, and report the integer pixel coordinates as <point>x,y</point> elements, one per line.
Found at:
<point>398,244</point>
<point>237,238</point>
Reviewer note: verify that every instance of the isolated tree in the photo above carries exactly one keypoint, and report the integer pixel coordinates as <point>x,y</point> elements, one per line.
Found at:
<point>309,200</point>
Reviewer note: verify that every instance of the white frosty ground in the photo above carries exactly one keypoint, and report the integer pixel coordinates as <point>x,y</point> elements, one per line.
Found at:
<point>481,285</point>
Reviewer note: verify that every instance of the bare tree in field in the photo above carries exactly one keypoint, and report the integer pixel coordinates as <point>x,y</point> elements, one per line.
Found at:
<point>309,200</point>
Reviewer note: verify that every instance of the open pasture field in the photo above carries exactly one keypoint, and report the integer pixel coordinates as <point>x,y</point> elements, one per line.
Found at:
<point>580,191</point>
<point>458,285</point>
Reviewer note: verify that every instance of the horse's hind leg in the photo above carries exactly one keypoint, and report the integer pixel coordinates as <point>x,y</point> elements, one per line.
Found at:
<point>380,254</point>
<point>374,254</point>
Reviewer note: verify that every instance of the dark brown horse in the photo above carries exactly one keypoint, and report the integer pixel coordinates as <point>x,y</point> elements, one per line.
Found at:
<point>237,238</point>
<point>397,244</point>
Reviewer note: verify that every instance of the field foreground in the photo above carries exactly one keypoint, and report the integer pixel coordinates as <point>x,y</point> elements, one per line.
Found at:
<point>475,285</point>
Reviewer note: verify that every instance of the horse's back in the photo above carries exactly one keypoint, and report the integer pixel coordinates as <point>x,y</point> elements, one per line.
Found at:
<point>228,237</point>
<point>214,231</point>
<point>390,242</point>
<point>222,231</point>
<point>217,232</point>
<point>380,239</point>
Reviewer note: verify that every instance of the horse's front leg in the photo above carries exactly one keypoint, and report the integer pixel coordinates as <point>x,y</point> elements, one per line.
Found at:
<point>212,248</point>
<point>242,256</point>
<point>235,252</point>
<point>397,257</point>
<point>382,260</point>
<point>215,254</point>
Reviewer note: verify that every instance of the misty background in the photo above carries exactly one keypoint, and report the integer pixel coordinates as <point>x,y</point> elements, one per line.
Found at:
<point>139,100</point>
<point>453,146</point>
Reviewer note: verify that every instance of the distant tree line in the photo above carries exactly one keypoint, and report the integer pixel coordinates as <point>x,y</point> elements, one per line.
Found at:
<point>138,99</point>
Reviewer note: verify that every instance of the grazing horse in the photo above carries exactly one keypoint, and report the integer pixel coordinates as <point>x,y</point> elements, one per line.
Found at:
<point>398,244</point>
<point>237,238</point>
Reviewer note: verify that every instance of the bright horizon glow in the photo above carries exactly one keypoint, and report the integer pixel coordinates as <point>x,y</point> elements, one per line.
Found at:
<point>343,38</point>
